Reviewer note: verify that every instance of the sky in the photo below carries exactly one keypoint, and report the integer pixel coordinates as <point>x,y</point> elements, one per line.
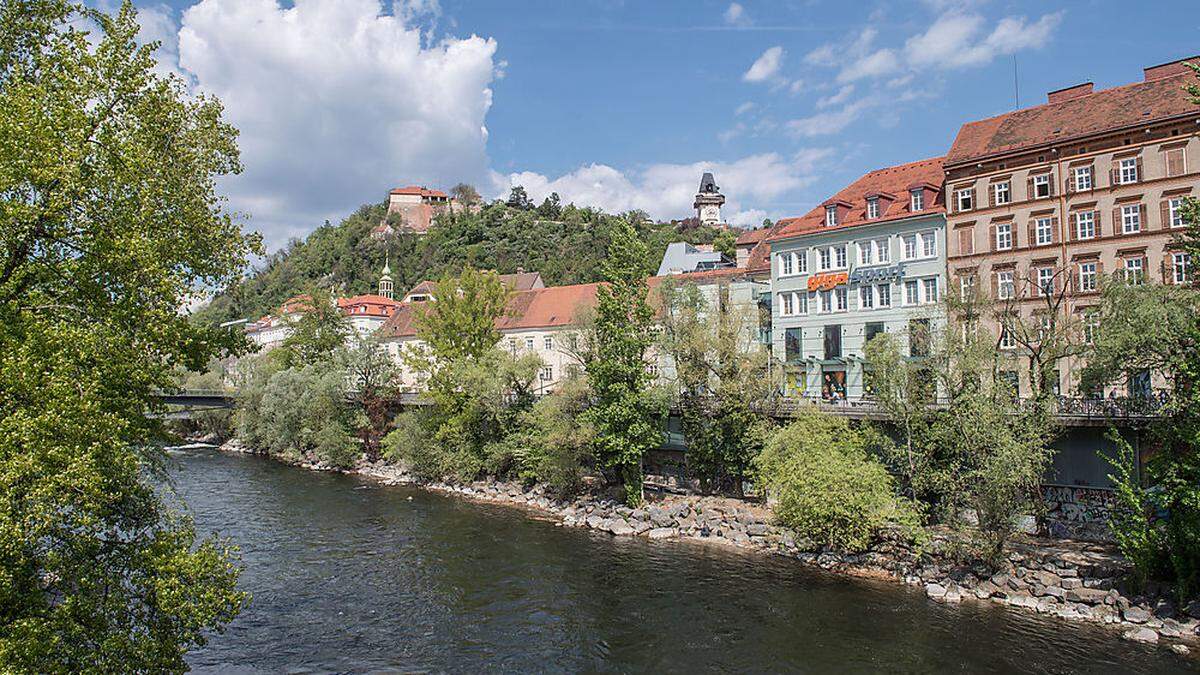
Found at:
<point>622,104</point>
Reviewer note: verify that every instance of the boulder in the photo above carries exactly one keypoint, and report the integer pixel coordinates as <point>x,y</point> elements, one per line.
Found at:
<point>593,521</point>
<point>1022,599</point>
<point>1070,583</point>
<point>661,533</point>
<point>1182,650</point>
<point>758,529</point>
<point>1141,635</point>
<point>935,591</point>
<point>620,528</point>
<point>1089,596</point>
<point>1135,614</point>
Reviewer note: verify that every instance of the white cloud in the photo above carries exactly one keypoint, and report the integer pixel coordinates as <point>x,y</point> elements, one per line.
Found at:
<point>336,102</point>
<point>826,123</point>
<point>743,108</point>
<point>735,15</point>
<point>957,40</point>
<point>766,67</point>
<point>666,191</point>
<point>877,63</point>
<point>836,98</point>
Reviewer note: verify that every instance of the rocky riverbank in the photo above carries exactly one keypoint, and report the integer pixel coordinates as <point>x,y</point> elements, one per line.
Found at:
<point>1071,580</point>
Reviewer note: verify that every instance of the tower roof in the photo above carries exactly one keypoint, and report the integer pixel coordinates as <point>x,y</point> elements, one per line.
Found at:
<point>708,183</point>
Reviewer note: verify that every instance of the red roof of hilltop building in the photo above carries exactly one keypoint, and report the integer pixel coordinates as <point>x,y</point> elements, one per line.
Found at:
<point>367,305</point>
<point>1077,112</point>
<point>891,186</point>
<point>417,190</point>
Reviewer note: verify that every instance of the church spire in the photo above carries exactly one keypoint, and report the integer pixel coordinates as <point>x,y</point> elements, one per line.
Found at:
<point>385,278</point>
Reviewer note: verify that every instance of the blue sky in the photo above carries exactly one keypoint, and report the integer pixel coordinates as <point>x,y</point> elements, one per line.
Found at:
<point>623,104</point>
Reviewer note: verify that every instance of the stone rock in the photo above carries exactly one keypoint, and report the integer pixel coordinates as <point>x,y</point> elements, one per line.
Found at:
<point>1170,628</point>
<point>1054,592</point>
<point>620,528</point>
<point>935,591</point>
<point>984,590</point>
<point>1182,650</point>
<point>1069,583</point>
<point>1021,599</point>
<point>1000,579</point>
<point>1141,635</point>
<point>1136,614</point>
<point>757,529</point>
<point>1027,525</point>
<point>594,521</point>
<point>953,596</point>
<point>1090,596</point>
<point>1192,609</point>
<point>661,533</point>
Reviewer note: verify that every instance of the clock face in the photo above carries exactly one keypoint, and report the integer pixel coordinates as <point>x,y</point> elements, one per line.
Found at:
<point>710,213</point>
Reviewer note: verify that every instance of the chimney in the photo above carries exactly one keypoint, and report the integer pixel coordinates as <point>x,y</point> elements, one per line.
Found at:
<point>1060,95</point>
<point>1168,69</point>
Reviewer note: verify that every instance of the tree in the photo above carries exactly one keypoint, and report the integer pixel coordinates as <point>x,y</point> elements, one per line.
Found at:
<point>519,199</point>
<point>320,331</point>
<point>719,378</point>
<point>373,378</point>
<point>725,243</point>
<point>110,220</point>
<point>625,414</point>
<point>1046,336</point>
<point>461,323</point>
<point>465,194</point>
<point>551,206</point>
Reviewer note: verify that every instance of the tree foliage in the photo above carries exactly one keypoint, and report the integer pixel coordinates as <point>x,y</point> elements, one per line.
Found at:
<point>109,221</point>
<point>720,382</point>
<point>625,412</point>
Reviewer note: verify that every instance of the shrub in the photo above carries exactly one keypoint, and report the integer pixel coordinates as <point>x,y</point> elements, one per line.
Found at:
<point>825,485</point>
<point>556,446</point>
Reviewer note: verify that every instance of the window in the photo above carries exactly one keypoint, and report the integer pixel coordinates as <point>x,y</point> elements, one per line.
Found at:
<point>1002,193</point>
<point>910,246</point>
<point>801,302</point>
<point>1181,272</point>
<point>1175,212</point>
<point>840,255</point>
<point>866,297</point>
<point>1128,172</point>
<point>1135,270</point>
<point>791,344</point>
<point>830,216</point>
<point>865,253</point>
<point>1087,277</point>
<point>885,295</point>
<point>912,292</point>
<point>823,259</point>
<point>1131,218</point>
<point>871,330</point>
<point>883,252</point>
<point>787,304</point>
<point>930,288</point>
<point>1006,339</point>
<point>1004,239</point>
<point>529,343</point>
<point>1004,285</point>
<point>1041,186</point>
<point>929,244</point>
<point>1085,224</point>
<point>512,345</point>
<point>916,200</point>
<point>873,207</point>
<point>1083,178</point>
<point>826,301</point>
<point>1091,325</point>
<point>786,264</point>
<point>1043,231</point>
<point>833,342</point>
<point>966,199</point>
<point>966,286</point>
<point>547,373</point>
<point>839,294</point>
<point>1173,159</point>
<point>548,343</point>
<point>1045,281</point>
<point>1045,327</point>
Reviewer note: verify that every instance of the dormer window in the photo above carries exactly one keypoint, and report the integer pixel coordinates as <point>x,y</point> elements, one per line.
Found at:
<point>873,207</point>
<point>830,215</point>
<point>916,200</point>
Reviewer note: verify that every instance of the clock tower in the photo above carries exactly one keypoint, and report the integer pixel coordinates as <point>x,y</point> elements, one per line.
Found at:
<point>708,201</point>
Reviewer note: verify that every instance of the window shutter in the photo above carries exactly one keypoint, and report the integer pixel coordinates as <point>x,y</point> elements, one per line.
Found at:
<point>1054,238</point>
<point>1175,162</point>
<point>1140,177</point>
<point>1099,269</point>
<point>1099,223</point>
<point>1029,188</point>
<point>992,237</point>
<point>991,194</point>
<point>995,284</point>
<point>1168,268</point>
<point>1142,216</point>
<point>1091,169</point>
<point>974,201</point>
<point>1112,173</point>
<point>1050,183</point>
<point>1164,210</point>
<point>964,242</point>
<point>1070,181</point>
<point>1031,231</point>
<point>1073,224</point>
<point>1117,227</point>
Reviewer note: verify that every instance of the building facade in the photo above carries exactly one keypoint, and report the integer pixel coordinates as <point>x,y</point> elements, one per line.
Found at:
<point>870,260</point>
<point>709,201</point>
<point>1044,202</point>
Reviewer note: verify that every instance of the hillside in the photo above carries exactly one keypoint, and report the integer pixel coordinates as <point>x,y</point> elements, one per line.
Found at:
<point>565,244</point>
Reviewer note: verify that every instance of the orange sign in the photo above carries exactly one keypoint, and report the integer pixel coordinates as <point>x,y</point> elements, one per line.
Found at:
<point>825,282</point>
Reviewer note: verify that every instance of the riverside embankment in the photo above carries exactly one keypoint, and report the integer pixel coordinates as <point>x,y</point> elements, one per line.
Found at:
<point>1071,582</point>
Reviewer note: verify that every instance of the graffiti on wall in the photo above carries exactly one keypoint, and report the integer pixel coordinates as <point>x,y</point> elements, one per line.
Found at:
<point>1078,512</point>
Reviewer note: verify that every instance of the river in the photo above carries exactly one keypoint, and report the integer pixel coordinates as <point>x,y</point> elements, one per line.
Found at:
<point>349,576</point>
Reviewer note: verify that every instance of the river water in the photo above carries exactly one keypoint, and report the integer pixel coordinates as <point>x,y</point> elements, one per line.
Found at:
<point>350,576</point>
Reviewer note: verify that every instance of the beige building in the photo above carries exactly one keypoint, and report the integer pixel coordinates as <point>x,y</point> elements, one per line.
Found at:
<point>1052,198</point>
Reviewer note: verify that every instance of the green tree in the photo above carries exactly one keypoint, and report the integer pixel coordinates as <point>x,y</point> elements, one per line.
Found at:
<point>719,379</point>
<point>725,243</point>
<point>461,324</point>
<point>465,194</point>
<point>626,413</point>
<point>519,199</point>
<point>109,221</point>
<point>319,332</point>
<point>374,380</point>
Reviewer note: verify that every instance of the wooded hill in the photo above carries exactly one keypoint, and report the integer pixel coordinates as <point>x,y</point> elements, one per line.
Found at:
<point>564,243</point>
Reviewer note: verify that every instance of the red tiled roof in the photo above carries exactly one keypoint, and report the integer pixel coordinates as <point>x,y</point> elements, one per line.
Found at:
<point>417,190</point>
<point>552,307</point>
<point>521,281</point>
<point>754,236</point>
<point>402,322</point>
<point>1159,98</point>
<point>893,180</point>
<point>367,305</point>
